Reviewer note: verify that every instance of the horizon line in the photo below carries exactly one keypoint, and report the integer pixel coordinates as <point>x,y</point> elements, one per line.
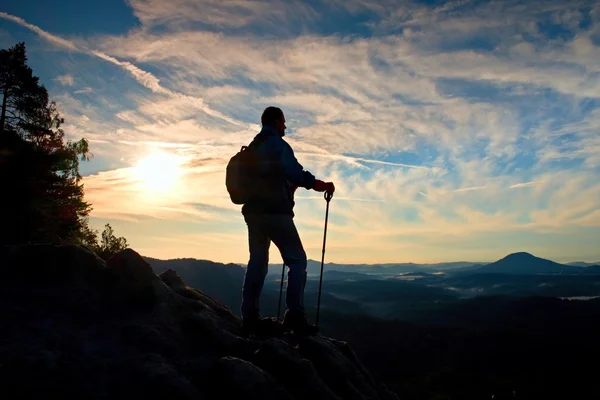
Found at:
<point>380,264</point>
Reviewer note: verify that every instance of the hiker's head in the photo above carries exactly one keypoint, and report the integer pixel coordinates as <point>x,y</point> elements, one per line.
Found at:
<point>274,118</point>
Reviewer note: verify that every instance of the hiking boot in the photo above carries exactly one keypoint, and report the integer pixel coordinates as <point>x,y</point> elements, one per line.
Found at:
<point>296,321</point>
<point>261,327</point>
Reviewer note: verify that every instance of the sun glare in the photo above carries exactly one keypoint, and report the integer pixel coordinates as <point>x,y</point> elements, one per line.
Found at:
<point>158,171</point>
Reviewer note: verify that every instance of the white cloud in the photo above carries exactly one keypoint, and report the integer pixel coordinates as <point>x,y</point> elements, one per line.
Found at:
<point>523,184</point>
<point>425,139</point>
<point>230,13</point>
<point>54,39</point>
<point>66,80</point>
<point>337,98</point>
<point>143,77</point>
<point>84,90</point>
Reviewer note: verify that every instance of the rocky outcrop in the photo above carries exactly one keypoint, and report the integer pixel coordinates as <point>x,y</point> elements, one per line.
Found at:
<point>74,326</point>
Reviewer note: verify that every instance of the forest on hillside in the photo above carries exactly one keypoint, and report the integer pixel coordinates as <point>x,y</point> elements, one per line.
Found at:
<point>43,197</point>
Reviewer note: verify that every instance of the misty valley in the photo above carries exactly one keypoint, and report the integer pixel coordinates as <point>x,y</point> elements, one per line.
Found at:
<point>521,327</point>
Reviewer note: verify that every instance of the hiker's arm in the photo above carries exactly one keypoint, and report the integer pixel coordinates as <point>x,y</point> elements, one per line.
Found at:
<point>294,172</point>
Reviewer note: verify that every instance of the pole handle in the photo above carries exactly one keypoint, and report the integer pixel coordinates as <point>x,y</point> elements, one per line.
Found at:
<point>328,196</point>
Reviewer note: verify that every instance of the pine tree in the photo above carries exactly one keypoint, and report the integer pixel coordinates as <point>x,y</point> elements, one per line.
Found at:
<point>23,98</point>
<point>42,200</point>
<point>109,244</point>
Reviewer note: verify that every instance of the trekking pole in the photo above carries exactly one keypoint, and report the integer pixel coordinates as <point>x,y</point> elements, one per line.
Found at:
<point>280,291</point>
<point>328,197</point>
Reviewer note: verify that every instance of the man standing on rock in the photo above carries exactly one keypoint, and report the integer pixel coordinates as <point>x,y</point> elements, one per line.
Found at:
<point>269,217</point>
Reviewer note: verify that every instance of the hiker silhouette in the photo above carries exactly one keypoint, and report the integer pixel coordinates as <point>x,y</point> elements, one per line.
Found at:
<point>269,216</point>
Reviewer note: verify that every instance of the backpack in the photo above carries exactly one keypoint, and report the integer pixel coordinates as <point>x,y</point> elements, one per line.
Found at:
<point>242,174</point>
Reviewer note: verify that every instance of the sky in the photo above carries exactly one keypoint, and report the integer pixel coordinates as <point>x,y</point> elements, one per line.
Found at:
<point>453,130</point>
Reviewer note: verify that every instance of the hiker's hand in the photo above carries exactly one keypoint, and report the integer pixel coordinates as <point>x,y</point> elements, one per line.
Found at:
<point>321,186</point>
<point>331,188</point>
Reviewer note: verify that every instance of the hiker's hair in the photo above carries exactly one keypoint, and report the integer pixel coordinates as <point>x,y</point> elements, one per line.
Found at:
<point>270,115</point>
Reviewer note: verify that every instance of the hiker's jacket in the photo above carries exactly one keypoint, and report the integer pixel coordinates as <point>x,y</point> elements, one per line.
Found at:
<point>280,170</point>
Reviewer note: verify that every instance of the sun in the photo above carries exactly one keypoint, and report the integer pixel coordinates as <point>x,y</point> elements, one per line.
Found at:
<point>159,171</point>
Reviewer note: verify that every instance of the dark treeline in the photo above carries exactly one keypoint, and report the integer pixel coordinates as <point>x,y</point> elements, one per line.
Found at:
<point>42,198</point>
<point>433,346</point>
<point>506,347</point>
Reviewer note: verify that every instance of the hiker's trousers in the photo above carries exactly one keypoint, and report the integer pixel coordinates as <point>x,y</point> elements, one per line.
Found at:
<point>279,228</point>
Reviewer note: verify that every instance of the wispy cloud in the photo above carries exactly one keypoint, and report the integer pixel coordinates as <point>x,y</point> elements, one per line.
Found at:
<point>224,14</point>
<point>446,129</point>
<point>66,80</point>
<point>143,77</point>
<point>85,90</point>
<point>523,184</point>
<point>470,189</point>
<point>54,39</point>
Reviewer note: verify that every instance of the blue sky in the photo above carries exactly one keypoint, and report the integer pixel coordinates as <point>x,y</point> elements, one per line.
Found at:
<point>459,130</point>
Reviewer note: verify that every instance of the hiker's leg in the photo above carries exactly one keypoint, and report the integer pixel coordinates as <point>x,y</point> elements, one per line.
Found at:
<point>284,234</point>
<point>256,272</point>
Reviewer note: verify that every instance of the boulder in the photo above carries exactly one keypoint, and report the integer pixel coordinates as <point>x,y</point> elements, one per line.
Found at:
<point>234,378</point>
<point>76,327</point>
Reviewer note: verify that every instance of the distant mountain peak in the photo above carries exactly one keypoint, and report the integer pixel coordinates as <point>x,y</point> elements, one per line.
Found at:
<point>523,263</point>
<point>520,254</point>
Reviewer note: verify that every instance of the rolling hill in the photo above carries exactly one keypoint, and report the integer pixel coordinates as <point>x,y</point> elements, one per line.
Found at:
<point>527,264</point>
